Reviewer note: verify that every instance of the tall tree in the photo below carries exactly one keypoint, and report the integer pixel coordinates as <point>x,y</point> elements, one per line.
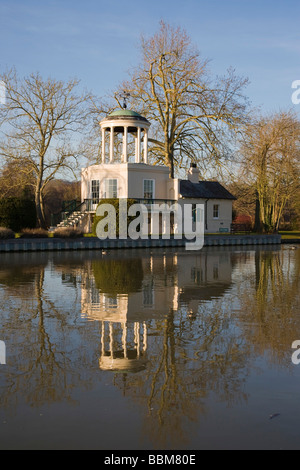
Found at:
<point>270,155</point>
<point>16,180</point>
<point>190,112</point>
<point>38,120</point>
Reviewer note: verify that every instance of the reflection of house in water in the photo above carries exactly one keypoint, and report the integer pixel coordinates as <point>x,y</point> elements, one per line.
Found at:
<point>204,277</point>
<point>159,283</point>
<point>122,293</point>
<point>155,288</point>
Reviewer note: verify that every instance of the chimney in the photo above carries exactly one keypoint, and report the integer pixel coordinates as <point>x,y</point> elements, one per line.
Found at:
<point>193,173</point>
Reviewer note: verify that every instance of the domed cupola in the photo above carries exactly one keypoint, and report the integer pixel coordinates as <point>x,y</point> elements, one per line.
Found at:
<point>125,122</point>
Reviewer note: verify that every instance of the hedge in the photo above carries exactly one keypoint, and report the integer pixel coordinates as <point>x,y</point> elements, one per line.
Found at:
<point>115,203</point>
<point>17,213</point>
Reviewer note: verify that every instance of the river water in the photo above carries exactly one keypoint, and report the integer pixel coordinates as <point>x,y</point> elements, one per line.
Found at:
<point>141,349</point>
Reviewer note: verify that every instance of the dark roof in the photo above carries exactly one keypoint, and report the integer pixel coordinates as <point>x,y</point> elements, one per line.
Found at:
<point>204,190</point>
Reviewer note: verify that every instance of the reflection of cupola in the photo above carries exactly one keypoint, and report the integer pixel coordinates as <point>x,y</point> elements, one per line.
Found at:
<point>122,348</point>
<point>127,123</point>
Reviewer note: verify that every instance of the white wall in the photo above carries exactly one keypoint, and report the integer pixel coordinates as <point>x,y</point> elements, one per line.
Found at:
<point>225,215</point>
<point>130,178</point>
<point>214,224</point>
<point>102,172</point>
<point>137,173</point>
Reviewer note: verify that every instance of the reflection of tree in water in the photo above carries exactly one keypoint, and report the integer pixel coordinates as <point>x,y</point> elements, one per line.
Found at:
<point>188,361</point>
<point>43,366</point>
<point>270,317</point>
<point>20,276</point>
<point>192,358</point>
<point>191,355</point>
<point>114,276</point>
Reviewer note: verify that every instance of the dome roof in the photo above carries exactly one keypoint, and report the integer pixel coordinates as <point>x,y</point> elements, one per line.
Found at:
<point>125,112</point>
<point>121,113</point>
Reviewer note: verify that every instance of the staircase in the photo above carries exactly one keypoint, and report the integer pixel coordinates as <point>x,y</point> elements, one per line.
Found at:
<point>70,217</point>
<point>73,219</point>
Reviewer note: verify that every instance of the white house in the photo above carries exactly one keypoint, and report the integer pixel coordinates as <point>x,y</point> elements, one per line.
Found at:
<point>131,176</point>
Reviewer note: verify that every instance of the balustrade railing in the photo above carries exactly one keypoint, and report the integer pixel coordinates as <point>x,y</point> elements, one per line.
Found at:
<point>90,205</point>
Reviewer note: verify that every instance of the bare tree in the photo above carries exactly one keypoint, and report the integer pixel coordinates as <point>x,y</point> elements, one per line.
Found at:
<point>190,112</point>
<point>15,180</point>
<point>270,155</point>
<point>38,120</point>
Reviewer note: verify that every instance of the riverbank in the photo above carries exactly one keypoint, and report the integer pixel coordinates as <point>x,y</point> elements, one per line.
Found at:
<point>93,243</point>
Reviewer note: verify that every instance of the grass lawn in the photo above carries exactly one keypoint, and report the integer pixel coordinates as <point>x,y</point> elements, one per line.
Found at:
<point>293,234</point>
<point>285,235</point>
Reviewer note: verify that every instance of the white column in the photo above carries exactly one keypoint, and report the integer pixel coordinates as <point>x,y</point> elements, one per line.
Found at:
<point>145,145</point>
<point>102,338</point>
<point>124,339</point>
<point>103,145</point>
<point>136,148</point>
<point>111,339</point>
<point>111,150</point>
<point>139,145</point>
<point>125,143</point>
<point>145,337</point>
<point>137,337</point>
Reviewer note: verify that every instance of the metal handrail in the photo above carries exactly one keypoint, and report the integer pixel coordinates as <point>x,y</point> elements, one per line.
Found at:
<point>58,217</point>
<point>92,202</point>
<point>88,206</point>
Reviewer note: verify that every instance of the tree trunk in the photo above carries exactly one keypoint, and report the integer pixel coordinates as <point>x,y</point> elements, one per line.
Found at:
<point>258,226</point>
<point>39,204</point>
<point>171,166</point>
<point>169,152</point>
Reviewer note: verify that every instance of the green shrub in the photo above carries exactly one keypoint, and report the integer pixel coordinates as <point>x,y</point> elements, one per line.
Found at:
<point>6,233</point>
<point>17,213</point>
<point>115,203</point>
<point>68,232</point>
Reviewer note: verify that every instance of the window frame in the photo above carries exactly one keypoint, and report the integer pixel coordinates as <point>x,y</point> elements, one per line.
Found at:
<point>107,189</point>
<point>194,212</point>
<point>216,211</point>
<point>153,188</point>
<point>95,194</point>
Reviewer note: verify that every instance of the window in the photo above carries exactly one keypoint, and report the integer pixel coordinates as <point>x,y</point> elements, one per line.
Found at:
<point>194,212</point>
<point>216,272</point>
<point>197,275</point>
<point>95,191</point>
<point>111,188</point>
<point>112,302</point>
<point>148,294</point>
<point>148,189</point>
<point>216,211</point>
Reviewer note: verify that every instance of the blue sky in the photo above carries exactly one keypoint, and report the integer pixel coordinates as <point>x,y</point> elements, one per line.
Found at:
<point>97,41</point>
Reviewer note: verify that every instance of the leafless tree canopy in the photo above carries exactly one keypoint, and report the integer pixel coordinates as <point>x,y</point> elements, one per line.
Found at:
<point>38,120</point>
<point>190,112</point>
<point>270,156</point>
